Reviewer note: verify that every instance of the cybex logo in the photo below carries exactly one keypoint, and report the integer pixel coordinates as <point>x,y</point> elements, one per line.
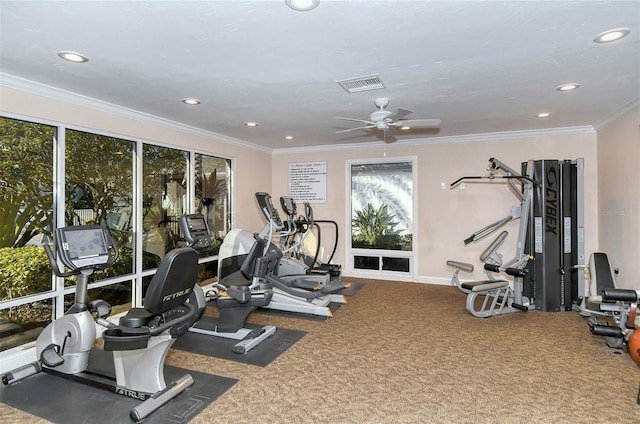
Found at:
<point>551,200</point>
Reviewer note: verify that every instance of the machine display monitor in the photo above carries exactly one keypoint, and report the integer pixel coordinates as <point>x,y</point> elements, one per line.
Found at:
<point>266,207</point>
<point>84,243</point>
<point>288,205</point>
<point>197,223</point>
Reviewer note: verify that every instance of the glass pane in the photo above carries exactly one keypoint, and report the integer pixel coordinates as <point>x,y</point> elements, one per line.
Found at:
<point>207,273</point>
<point>26,222</point>
<point>26,208</point>
<point>366,262</point>
<point>213,182</point>
<point>22,324</point>
<point>117,295</point>
<point>99,190</point>
<point>395,264</point>
<point>382,206</point>
<point>164,200</point>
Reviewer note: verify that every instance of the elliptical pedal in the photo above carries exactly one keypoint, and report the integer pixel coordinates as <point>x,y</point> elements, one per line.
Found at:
<point>50,356</point>
<point>254,339</point>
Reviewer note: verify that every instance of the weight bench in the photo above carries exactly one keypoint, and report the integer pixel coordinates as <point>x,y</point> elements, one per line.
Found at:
<point>496,296</point>
<point>617,306</point>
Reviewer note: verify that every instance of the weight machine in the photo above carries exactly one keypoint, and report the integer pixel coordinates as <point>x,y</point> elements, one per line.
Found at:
<point>550,240</point>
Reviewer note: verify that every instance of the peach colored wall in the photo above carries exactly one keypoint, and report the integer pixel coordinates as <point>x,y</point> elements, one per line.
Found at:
<point>247,160</point>
<point>619,195</point>
<point>447,217</point>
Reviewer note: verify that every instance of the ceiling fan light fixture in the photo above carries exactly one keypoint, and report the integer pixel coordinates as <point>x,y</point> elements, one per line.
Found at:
<point>302,5</point>
<point>72,57</point>
<point>568,86</point>
<point>612,35</point>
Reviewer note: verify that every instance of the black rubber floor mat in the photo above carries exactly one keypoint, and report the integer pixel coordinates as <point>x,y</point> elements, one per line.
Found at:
<point>62,401</point>
<point>219,347</point>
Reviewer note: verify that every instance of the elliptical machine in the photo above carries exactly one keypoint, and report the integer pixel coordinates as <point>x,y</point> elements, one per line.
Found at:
<point>138,346</point>
<point>293,266</point>
<point>287,296</point>
<point>233,295</point>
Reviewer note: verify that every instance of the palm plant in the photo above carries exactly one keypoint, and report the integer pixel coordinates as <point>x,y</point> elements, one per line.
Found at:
<point>372,227</point>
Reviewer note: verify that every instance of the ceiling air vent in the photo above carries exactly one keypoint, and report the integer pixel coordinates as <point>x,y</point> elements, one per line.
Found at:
<point>354,85</point>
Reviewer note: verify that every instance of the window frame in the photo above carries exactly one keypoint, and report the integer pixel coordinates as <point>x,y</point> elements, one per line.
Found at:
<point>351,252</point>
<point>58,290</point>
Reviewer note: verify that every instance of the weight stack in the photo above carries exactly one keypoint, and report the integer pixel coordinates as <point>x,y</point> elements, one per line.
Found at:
<point>551,236</point>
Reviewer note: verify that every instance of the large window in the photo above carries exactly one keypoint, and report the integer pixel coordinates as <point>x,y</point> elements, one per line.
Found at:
<point>26,220</point>
<point>212,194</point>
<point>164,194</point>
<point>101,192</point>
<point>53,176</point>
<point>381,213</point>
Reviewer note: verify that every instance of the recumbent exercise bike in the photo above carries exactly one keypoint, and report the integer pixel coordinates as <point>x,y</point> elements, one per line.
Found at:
<point>137,347</point>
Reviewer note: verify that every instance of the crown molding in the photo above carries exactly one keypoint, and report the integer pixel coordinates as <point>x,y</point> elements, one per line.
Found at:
<point>17,83</point>
<point>44,90</point>
<point>467,138</point>
<point>617,114</point>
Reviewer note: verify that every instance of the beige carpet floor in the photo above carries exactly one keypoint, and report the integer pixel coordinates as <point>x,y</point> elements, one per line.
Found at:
<point>410,353</point>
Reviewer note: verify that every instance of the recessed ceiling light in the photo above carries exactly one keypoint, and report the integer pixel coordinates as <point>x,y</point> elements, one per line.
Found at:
<point>568,87</point>
<point>73,57</point>
<point>302,5</point>
<point>289,137</point>
<point>405,127</point>
<point>191,101</point>
<point>251,124</point>
<point>543,115</point>
<point>612,35</point>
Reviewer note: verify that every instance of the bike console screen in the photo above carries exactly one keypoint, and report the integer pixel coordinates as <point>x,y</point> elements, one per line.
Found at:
<point>81,246</point>
<point>196,231</point>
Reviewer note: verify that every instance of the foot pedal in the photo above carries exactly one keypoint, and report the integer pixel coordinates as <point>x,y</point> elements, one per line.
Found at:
<point>50,356</point>
<point>305,284</point>
<point>101,308</point>
<point>519,307</point>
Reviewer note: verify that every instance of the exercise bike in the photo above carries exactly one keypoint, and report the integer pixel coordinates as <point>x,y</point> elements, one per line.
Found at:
<point>137,346</point>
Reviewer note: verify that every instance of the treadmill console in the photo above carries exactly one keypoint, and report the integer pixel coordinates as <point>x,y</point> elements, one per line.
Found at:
<point>195,229</point>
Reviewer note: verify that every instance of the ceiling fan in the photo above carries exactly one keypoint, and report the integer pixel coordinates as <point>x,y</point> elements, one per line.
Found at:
<point>388,121</point>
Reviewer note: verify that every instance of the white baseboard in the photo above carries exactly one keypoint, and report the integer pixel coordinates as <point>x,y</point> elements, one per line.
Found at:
<point>434,280</point>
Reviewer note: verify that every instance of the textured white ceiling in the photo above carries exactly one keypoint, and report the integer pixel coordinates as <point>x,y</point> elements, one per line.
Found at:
<point>481,67</point>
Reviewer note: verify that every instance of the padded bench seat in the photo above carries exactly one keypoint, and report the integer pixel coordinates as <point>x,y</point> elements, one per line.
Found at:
<point>477,286</point>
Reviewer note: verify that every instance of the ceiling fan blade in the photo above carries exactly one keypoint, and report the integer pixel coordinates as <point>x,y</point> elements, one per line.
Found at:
<point>389,135</point>
<point>367,127</point>
<point>417,123</point>
<point>355,120</point>
<point>399,114</point>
